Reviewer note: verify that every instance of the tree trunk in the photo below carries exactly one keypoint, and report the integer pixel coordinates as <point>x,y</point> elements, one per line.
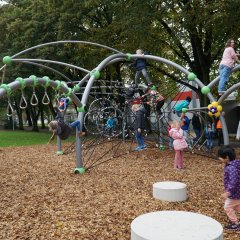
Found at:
<point>19,114</point>
<point>34,115</point>
<point>42,118</point>
<point>29,119</point>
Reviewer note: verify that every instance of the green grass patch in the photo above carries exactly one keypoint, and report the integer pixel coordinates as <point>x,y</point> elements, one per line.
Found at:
<point>25,138</point>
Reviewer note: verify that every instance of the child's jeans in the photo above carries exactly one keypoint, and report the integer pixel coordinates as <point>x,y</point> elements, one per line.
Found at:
<point>232,206</point>
<point>144,73</point>
<point>178,161</point>
<point>75,124</point>
<point>224,73</point>
<point>139,138</point>
<point>209,143</point>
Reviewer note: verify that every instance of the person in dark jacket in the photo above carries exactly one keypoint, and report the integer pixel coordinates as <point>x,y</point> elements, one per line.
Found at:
<point>141,67</point>
<point>196,123</point>
<point>185,128</point>
<point>139,125</point>
<point>61,129</point>
<point>231,194</point>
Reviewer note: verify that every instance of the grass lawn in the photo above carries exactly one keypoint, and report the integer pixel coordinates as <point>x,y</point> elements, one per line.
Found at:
<point>24,138</point>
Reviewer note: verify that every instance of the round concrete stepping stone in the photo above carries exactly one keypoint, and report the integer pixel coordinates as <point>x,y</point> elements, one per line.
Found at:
<point>170,191</point>
<point>175,225</point>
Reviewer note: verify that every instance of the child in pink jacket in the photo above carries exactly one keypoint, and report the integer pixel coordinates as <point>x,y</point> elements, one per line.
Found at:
<point>179,143</point>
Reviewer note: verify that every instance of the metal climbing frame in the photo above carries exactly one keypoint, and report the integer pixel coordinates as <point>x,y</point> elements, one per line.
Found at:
<point>91,77</point>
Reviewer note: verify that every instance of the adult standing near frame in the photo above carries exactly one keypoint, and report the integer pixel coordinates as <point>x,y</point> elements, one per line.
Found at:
<point>229,58</point>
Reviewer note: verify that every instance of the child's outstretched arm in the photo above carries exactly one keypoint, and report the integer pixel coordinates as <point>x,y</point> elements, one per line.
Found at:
<point>52,137</point>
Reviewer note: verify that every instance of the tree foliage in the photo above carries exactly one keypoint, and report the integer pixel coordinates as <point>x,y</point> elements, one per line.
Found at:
<point>190,33</point>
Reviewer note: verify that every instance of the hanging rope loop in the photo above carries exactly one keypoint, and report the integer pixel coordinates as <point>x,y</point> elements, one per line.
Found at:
<point>23,102</point>
<point>34,100</point>
<point>46,99</point>
<point>9,108</point>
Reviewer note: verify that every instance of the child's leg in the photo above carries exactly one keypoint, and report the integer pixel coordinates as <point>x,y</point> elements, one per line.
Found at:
<point>137,75</point>
<point>159,107</point>
<point>176,161</point>
<point>138,138</point>
<point>142,140</point>
<point>75,124</point>
<point>181,159</point>
<point>145,74</point>
<point>230,206</point>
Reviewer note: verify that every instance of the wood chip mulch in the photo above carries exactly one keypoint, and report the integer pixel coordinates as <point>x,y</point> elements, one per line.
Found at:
<point>41,197</point>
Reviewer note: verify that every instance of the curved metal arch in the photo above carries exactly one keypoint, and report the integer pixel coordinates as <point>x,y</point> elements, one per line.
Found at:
<point>228,92</point>
<point>50,61</point>
<point>49,68</point>
<point>214,81</point>
<point>62,42</point>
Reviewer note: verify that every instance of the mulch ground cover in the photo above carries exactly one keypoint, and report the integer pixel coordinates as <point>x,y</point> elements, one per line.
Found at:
<point>41,197</point>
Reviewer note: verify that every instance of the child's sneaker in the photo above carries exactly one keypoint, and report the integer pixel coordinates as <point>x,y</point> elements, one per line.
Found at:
<point>81,134</point>
<point>162,147</point>
<point>139,148</point>
<point>233,227</point>
<point>144,146</point>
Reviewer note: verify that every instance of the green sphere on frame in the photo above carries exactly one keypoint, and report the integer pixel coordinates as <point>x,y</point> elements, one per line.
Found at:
<point>7,60</point>
<point>191,76</point>
<point>95,73</point>
<point>205,90</point>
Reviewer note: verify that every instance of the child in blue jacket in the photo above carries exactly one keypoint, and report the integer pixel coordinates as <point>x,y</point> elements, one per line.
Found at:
<point>181,105</point>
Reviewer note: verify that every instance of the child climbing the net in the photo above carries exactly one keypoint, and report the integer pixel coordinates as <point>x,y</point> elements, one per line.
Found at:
<point>59,127</point>
<point>183,104</point>
<point>155,99</point>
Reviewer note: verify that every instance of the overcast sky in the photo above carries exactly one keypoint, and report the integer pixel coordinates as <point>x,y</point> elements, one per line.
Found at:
<point>2,2</point>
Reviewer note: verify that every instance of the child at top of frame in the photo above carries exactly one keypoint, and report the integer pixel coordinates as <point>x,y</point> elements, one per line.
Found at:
<point>231,193</point>
<point>61,129</point>
<point>183,104</point>
<point>141,67</point>
<point>229,58</point>
<point>179,143</point>
<point>139,125</point>
<point>154,98</point>
<point>209,132</point>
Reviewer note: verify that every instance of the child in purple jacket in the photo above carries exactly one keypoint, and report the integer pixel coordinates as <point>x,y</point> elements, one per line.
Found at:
<point>231,185</point>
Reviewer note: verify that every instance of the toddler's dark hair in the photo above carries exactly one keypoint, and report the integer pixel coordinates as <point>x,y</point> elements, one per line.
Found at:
<point>227,151</point>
